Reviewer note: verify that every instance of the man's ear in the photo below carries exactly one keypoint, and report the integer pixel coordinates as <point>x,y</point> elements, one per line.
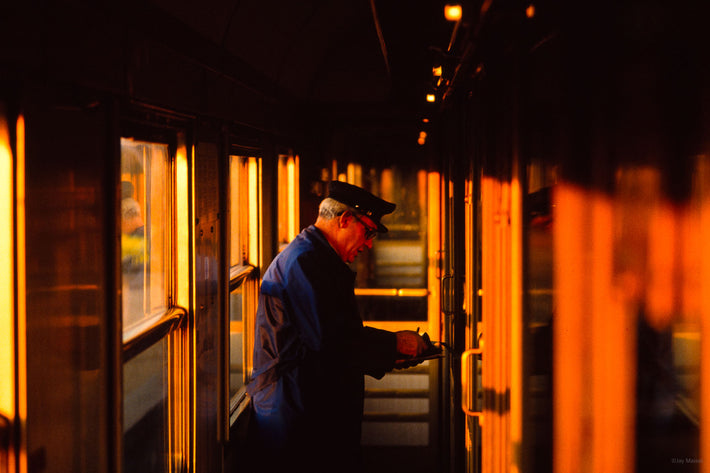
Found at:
<point>345,219</point>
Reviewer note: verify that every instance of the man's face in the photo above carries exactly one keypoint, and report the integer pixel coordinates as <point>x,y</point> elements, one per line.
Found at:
<point>357,235</point>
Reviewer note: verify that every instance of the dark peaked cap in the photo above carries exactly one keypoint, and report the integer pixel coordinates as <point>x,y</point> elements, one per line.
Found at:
<point>362,201</point>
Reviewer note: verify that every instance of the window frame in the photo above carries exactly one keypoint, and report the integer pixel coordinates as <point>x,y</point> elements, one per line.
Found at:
<point>173,325</point>
<point>245,272</point>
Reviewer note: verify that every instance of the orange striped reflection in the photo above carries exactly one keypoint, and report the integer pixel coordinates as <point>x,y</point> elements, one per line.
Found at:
<point>702,201</point>
<point>633,251</point>
<point>662,282</point>
<point>594,362</point>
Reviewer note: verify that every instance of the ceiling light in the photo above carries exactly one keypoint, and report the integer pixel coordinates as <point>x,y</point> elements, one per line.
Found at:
<point>436,71</point>
<point>430,98</point>
<point>452,12</point>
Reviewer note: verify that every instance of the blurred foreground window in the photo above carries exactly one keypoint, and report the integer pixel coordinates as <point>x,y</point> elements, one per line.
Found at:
<point>245,259</point>
<point>145,231</point>
<point>155,376</point>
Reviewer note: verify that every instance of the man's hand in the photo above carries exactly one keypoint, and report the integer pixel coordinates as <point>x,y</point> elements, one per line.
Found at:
<point>410,343</point>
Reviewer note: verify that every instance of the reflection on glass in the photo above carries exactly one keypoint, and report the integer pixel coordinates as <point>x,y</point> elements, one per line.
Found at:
<point>288,199</point>
<point>245,199</point>
<point>145,217</point>
<point>398,259</point>
<point>236,332</point>
<point>145,411</point>
<point>245,255</point>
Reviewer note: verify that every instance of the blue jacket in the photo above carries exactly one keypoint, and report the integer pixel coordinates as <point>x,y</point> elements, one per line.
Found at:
<point>310,354</point>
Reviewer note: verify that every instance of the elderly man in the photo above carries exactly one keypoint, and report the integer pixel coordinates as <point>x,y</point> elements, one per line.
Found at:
<point>311,350</point>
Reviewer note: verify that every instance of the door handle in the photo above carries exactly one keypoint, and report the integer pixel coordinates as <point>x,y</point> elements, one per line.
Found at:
<point>468,382</point>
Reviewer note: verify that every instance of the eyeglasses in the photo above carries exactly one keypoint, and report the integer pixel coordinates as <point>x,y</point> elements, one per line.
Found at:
<point>370,232</point>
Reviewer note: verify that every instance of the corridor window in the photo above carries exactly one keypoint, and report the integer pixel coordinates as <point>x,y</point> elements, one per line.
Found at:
<point>392,282</point>
<point>245,202</point>
<point>245,259</point>
<point>145,235</point>
<point>153,241</point>
<point>288,201</point>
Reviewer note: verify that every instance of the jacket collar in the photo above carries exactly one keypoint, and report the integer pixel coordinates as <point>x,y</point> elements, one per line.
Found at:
<point>315,235</point>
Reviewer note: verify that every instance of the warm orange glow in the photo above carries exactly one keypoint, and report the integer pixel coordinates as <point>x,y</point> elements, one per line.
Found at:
<point>372,291</point>
<point>422,137</point>
<point>334,170</point>
<point>354,174</point>
<point>236,326</point>
<point>254,173</point>
<point>691,264</point>
<point>436,71</point>
<point>288,198</point>
<point>293,197</point>
<point>594,351</point>
<point>530,11</point>
<point>452,12</point>
<point>613,367</point>
<point>569,350</point>
<point>500,274</point>
<point>13,366</point>
<point>516,313</point>
<point>703,204</point>
<point>183,178</point>
<point>235,246</point>
<point>662,250</point>
<point>434,252</point>
<point>21,302</point>
<point>431,98</point>
<point>246,210</point>
<point>7,273</point>
<point>21,278</point>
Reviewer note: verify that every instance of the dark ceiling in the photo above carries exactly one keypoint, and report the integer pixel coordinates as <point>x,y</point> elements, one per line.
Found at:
<point>328,53</point>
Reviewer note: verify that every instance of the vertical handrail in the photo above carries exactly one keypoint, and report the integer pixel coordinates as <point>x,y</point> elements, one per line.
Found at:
<point>466,386</point>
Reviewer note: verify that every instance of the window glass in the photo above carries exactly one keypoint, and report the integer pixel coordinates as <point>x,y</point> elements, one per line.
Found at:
<point>245,200</point>
<point>236,331</point>
<point>145,411</point>
<point>145,234</point>
<point>153,370</point>
<point>288,199</point>
<point>245,258</point>
<point>392,277</point>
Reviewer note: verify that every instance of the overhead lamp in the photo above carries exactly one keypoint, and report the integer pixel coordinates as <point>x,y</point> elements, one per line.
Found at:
<point>452,12</point>
<point>422,137</point>
<point>530,11</point>
<point>436,71</point>
<point>430,98</point>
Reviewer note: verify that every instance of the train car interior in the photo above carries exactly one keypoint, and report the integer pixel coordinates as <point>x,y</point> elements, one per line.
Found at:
<point>550,162</point>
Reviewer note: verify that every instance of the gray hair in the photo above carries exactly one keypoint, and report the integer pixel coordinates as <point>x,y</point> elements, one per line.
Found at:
<point>331,208</point>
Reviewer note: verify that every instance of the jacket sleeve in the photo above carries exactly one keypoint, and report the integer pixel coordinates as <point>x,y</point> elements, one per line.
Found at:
<point>370,350</point>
